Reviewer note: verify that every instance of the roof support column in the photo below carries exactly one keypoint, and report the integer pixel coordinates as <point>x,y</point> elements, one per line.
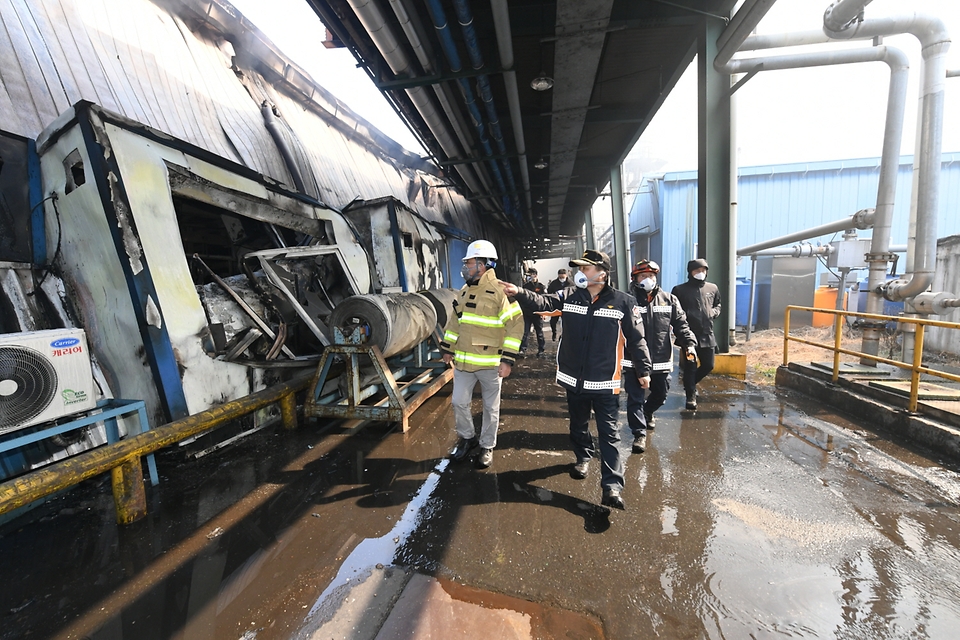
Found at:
<point>713,183</point>
<point>589,240</point>
<point>621,241</point>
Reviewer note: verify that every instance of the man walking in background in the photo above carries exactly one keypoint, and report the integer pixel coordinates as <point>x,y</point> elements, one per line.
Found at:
<point>531,319</point>
<point>481,338</point>
<point>660,312</point>
<point>555,286</point>
<point>701,302</point>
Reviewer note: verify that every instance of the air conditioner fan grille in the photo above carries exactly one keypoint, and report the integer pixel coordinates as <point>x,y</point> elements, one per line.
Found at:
<point>28,384</point>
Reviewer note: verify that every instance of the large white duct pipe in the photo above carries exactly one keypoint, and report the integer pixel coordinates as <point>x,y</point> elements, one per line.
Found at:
<point>860,220</point>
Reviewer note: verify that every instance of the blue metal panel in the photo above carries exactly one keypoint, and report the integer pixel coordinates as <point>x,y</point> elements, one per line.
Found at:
<point>36,211</point>
<point>775,200</point>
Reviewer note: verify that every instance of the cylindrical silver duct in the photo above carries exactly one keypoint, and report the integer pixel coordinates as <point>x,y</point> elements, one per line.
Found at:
<point>395,322</point>
<point>860,220</point>
<point>442,300</point>
<point>841,13</point>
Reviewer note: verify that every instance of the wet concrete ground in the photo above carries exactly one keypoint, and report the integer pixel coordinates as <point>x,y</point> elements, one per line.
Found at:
<point>749,518</point>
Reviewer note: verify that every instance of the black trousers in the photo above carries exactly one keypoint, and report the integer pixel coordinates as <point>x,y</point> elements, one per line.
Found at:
<point>692,374</point>
<point>537,323</point>
<point>605,408</point>
<point>636,405</point>
<point>554,320</point>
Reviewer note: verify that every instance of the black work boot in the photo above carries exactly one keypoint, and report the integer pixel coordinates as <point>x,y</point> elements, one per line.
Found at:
<point>691,401</point>
<point>649,419</point>
<point>640,444</point>
<point>462,448</point>
<point>579,471</point>
<point>612,498</point>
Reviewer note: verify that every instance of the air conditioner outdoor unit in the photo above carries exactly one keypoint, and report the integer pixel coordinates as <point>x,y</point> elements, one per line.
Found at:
<point>44,375</point>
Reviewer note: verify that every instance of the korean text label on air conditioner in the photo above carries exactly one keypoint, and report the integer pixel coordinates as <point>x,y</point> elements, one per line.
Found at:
<point>66,347</point>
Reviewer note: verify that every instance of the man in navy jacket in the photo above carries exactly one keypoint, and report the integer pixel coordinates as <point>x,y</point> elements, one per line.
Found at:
<point>601,328</point>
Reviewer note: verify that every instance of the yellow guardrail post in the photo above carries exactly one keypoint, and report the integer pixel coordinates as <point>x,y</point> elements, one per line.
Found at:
<point>837,336</point>
<point>915,370</point>
<point>129,494</point>
<point>786,336</point>
<point>288,411</point>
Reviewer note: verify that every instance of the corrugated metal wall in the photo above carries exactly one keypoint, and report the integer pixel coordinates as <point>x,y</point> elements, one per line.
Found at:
<point>145,62</point>
<point>778,199</point>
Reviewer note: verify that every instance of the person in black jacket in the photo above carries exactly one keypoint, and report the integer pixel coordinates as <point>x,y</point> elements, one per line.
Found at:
<point>701,302</point>
<point>601,327</point>
<point>555,286</point>
<point>660,311</point>
<point>530,319</point>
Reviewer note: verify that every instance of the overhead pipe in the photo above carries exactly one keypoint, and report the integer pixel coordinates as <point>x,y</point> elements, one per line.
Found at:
<point>442,26</point>
<point>386,42</point>
<point>465,18</point>
<point>860,220</point>
<point>501,23</point>
<point>741,26</point>
<point>801,250</point>
<point>424,57</point>
<point>934,43</point>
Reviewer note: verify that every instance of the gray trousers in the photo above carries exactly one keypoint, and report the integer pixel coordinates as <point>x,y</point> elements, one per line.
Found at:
<point>463,385</point>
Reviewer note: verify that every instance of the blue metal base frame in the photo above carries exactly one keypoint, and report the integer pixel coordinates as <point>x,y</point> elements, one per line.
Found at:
<point>107,411</point>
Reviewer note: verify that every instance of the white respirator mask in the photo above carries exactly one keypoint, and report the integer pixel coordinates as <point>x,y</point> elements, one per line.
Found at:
<point>700,276</point>
<point>648,284</point>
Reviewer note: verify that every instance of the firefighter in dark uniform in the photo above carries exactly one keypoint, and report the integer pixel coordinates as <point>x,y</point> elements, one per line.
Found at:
<point>555,286</point>
<point>660,312</point>
<point>530,319</point>
<point>701,302</point>
<point>601,328</point>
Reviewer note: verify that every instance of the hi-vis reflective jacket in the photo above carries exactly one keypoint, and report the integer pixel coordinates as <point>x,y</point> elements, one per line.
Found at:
<point>485,328</point>
<point>660,311</point>
<point>597,336</point>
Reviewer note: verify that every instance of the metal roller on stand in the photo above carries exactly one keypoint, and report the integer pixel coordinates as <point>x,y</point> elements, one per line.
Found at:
<point>389,346</point>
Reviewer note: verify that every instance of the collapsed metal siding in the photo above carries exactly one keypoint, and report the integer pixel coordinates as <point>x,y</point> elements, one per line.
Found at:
<point>143,61</point>
<point>778,199</point>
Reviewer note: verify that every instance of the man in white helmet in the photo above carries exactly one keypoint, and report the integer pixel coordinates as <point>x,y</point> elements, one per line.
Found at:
<point>482,338</point>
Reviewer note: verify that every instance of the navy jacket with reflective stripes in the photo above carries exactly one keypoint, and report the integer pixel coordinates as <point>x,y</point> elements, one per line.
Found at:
<point>597,336</point>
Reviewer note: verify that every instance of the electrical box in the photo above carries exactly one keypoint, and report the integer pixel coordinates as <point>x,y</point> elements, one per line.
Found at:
<point>849,254</point>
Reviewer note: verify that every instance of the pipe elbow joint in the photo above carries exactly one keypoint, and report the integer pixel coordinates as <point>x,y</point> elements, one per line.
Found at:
<point>864,218</point>
<point>904,289</point>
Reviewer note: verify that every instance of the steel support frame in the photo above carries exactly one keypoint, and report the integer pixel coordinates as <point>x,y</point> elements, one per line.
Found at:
<point>713,183</point>
<point>621,233</point>
<point>401,398</point>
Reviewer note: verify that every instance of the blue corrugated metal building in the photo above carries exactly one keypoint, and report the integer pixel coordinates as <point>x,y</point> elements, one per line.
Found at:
<point>775,200</point>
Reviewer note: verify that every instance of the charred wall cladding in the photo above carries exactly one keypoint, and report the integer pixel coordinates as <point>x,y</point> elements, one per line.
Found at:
<point>15,231</point>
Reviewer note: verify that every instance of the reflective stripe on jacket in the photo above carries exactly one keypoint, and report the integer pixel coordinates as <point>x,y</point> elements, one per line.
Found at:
<point>485,327</point>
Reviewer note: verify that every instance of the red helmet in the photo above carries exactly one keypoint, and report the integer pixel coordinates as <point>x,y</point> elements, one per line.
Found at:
<point>645,266</point>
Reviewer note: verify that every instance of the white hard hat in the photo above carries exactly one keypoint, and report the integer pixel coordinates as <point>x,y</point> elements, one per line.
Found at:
<point>481,249</point>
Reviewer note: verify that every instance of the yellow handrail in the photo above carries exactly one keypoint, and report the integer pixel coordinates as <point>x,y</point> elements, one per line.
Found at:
<point>915,367</point>
<point>122,458</point>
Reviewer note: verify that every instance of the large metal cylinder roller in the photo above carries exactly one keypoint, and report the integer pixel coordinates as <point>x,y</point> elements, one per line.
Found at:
<point>395,322</point>
<point>442,300</point>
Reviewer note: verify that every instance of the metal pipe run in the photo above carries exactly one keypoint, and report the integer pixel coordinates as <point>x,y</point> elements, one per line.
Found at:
<point>501,22</point>
<point>860,220</point>
<point>425,58</point>
<point>934,42</point>
<point>449,47</point>
<point>387,44</point>
<point>802,250</point>
<point>741,26</point>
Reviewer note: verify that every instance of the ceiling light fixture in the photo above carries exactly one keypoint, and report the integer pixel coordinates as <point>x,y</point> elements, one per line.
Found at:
<point>540,164</point>
<point>543,82</point>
